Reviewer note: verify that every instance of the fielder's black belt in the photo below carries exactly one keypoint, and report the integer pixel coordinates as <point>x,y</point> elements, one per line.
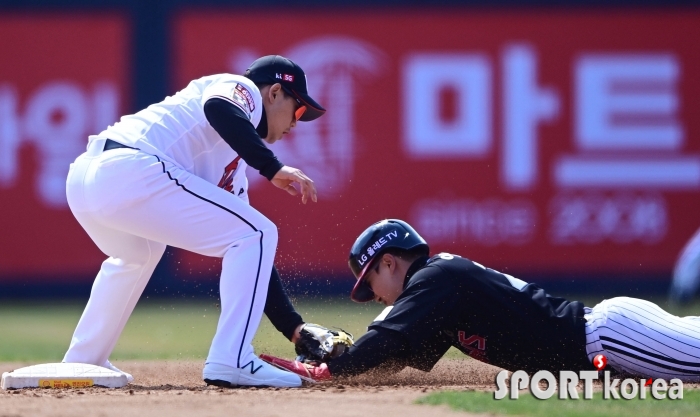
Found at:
<point>110,144</point>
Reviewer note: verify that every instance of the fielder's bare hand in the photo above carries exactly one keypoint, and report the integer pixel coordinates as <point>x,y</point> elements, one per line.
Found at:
<point>286,176</point>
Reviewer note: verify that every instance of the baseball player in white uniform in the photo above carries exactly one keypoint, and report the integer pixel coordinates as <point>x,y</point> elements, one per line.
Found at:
<point>175,174</point>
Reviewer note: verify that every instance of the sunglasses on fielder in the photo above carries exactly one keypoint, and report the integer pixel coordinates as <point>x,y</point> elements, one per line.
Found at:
<point>300,110</point>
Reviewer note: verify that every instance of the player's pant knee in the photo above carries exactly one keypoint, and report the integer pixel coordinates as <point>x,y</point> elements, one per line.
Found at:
<point>144,257</point>
<point>148,256</point>
<point>265,230</point>
<point>156,252</point>
<point>269,233</point>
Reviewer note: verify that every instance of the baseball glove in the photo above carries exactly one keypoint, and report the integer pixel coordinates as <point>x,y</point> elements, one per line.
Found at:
<point>319,344</point>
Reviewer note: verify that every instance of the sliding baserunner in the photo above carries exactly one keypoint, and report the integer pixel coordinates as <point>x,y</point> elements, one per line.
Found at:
<point>447,300</point>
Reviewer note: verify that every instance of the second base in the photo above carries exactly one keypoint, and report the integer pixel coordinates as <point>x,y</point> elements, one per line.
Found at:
<point>62,375</point>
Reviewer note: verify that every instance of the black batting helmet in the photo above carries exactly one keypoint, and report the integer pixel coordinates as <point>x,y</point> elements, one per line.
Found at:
<point>374,241</point>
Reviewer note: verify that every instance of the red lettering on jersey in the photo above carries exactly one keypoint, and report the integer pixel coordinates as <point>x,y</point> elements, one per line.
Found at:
<point>474,344</point>
<point>226,181</point>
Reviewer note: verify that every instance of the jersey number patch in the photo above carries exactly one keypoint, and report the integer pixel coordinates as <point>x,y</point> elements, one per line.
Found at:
<point>226,181</point>
<point>474,344</point>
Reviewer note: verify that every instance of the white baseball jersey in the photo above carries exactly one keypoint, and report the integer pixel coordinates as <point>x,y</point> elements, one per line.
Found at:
<point>176,130</point>
<point>173,189</point>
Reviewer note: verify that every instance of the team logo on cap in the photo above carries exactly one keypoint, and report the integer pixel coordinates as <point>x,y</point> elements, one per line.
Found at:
<point>285,77</point>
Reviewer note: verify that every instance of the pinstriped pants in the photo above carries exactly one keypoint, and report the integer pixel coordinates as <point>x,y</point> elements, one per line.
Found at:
<point>640,338</point>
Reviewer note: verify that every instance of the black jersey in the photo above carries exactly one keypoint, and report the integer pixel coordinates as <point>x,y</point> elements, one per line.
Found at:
<point>490,316</point>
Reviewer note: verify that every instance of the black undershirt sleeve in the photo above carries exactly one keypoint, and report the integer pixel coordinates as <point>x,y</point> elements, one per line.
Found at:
<point>427,306</point>
<point>231,123</point>
<point>279,308</point>
<point>376,348</point>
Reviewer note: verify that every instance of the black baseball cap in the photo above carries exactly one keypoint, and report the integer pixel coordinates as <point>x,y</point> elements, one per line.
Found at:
<point>373,242</point>
<point>272,69</point>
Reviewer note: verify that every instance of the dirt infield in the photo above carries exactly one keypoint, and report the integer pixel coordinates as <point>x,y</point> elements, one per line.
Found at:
<point>175,389</point>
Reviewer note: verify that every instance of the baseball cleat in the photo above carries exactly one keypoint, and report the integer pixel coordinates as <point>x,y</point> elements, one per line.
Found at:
<point>109,365</point>
<point>255,373</point>
<point>303,378</point>
<point>307,372</point>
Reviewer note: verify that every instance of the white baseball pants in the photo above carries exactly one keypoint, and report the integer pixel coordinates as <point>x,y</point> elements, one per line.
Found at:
<point>132,205</point>
<point>640,338</point>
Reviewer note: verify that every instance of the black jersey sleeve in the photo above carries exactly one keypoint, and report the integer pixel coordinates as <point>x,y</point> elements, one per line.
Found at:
<point>428,305</point>
<point>279,309</point>
<point>231,123</point>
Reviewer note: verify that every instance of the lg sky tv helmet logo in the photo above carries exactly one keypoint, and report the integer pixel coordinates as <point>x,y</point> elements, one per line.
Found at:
<point>568,381</point>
